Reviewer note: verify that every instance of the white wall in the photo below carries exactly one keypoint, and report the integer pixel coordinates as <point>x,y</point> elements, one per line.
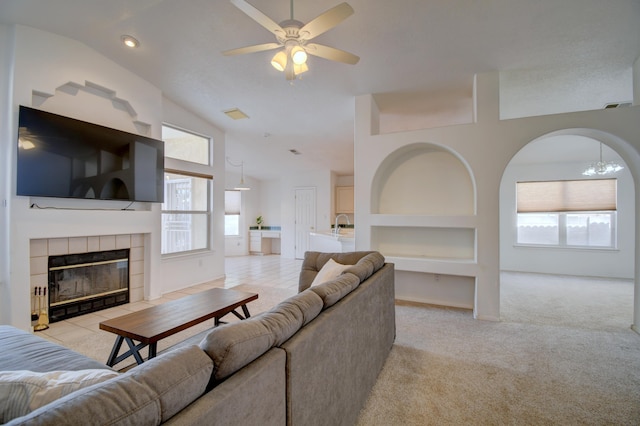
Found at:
<point>42,62</point>
<point>6,142</point>
<point>636,82</point>
<point>596,263</point>
<point>184,271</point>
<point>487,145</point>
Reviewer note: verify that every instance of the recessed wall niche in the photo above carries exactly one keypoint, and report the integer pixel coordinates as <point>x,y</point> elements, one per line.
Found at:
<point>410,182</point>
<point>423,219</point>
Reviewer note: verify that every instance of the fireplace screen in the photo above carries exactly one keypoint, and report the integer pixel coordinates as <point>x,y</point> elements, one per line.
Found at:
<point>87,282</point>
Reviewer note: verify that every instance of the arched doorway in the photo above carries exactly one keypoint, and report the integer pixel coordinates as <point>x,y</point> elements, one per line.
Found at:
<point>552,282</point>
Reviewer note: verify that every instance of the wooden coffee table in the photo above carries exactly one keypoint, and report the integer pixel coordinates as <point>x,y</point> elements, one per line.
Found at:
<point>150,325</point>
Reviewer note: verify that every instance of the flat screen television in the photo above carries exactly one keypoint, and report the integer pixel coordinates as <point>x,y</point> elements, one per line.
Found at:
<point>67,158</point>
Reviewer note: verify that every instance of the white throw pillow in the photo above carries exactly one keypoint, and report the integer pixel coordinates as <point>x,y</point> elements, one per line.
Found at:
<point>23,391</point>
<point>329,271</point>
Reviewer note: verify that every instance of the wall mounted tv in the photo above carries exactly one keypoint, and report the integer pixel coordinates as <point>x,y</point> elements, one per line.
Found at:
<point>67,158</point>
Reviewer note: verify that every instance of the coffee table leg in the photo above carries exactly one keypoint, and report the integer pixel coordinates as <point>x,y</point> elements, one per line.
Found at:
<point>152,350</point>
<point>246,311</point>
<point>135,350</point>
<point>114,351</point>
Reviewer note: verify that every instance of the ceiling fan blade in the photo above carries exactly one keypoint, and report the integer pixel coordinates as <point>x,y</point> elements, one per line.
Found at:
<point>326,21</point>
<point>331,53</point>
<point>251,49</point>
<point>259,17</point>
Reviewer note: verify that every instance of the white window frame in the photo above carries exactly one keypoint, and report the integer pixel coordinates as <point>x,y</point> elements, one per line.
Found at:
<point>562,231</point>
<point>192,169</point>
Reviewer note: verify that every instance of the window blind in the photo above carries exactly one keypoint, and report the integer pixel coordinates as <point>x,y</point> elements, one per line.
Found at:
<point>232,202</point>
<point>567,195</point>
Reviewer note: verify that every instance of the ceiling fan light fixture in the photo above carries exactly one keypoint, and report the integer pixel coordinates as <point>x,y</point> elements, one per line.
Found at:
<point>298,55</point>
<point>279,61</point>
<point>299,69</point>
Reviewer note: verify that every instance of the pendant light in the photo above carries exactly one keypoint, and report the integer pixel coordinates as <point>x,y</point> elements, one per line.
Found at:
<point>601,168</point>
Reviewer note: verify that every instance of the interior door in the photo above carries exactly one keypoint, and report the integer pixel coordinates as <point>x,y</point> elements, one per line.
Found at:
<point>305,218</point>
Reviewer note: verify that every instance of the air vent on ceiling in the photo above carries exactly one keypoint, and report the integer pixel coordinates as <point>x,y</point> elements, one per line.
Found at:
<point>617,105</point>
<point>295,152</point>
<point>236,114</point>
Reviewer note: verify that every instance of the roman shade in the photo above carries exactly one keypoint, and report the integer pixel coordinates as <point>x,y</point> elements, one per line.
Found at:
<point>566,196</point>
<point>231,202</point>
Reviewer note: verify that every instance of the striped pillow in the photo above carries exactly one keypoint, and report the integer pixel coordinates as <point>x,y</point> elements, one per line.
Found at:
<point>23,391</point>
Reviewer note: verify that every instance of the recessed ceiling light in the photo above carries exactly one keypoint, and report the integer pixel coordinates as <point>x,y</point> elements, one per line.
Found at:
<point>236,114</point>
<point>130,41</point>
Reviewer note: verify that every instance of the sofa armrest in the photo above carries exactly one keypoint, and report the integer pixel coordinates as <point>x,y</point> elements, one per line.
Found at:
<point>20,350</point>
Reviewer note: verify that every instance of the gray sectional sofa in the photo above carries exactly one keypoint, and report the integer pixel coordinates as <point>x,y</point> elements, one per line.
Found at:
<point>311,360</point>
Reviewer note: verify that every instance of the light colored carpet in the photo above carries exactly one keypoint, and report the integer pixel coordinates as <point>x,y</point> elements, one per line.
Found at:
<point>562,354</point>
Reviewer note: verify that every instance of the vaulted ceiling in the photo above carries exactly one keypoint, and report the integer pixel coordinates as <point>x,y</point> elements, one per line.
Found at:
<point>418,58</point>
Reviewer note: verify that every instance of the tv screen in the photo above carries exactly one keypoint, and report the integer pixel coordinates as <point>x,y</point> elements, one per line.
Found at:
<point>68,158</point>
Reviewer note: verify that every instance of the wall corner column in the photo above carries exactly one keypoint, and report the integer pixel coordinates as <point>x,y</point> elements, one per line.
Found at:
<point>636,81</point>
<point>486,97</point>
<point>367,116</point>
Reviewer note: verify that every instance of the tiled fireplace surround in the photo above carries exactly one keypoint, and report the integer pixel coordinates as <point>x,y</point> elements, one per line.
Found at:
<point>41,249</point>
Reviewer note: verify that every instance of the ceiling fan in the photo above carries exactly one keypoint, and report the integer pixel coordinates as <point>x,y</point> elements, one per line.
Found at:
<point>294,37</point>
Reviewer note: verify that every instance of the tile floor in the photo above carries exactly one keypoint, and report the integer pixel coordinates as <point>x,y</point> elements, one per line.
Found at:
<point>265,271</point>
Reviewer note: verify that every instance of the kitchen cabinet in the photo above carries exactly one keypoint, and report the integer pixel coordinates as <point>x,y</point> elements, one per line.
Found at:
<point>344,199</point>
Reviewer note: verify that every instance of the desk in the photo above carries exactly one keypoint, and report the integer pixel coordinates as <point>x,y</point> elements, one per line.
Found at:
<point>262,242</point>
<point>151,325</point>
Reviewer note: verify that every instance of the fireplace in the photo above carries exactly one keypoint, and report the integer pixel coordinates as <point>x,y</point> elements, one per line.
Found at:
<point>87,282</point>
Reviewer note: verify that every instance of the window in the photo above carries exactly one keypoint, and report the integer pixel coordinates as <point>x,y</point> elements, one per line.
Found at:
<point>577,213</point>
<point>232,205</point>
<point>186,211</point>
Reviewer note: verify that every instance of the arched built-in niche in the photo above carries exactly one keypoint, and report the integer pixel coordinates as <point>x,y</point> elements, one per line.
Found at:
<point>427,228</point>
<point>409,181</point>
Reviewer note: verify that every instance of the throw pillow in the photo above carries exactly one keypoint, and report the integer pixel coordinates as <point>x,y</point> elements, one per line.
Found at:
<point>329,271</point>
<point>23,391</point>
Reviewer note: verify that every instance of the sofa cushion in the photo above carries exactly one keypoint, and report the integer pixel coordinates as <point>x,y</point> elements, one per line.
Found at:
<point>23,391</point>
<point>334,290</point>
<point>20,350</point>
<point>232,346</point>
<point>285,319</point>
<point>366,266</point>
<point>329,271</point>
<point>147,394</point>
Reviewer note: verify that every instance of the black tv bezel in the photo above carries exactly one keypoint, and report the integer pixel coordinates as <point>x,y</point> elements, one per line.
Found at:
<point>108,134</point>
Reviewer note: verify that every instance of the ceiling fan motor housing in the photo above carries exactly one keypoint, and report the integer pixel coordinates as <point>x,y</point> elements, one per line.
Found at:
<point>292,31</point>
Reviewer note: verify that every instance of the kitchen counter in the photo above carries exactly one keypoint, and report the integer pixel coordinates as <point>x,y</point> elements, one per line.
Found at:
<point>329,242</point>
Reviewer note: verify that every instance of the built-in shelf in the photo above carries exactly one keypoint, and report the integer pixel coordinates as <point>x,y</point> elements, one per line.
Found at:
<point>443,266</point>
<point>423,221</point>
<point>428,242</point>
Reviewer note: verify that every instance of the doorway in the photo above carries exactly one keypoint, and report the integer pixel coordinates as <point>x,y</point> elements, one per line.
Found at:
<point>565,277</point>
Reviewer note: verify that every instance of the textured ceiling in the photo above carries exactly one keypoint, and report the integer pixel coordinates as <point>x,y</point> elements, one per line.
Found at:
<point>418,58</point>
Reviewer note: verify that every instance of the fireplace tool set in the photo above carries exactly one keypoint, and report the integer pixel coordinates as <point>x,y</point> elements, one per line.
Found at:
<point>40,313</point>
